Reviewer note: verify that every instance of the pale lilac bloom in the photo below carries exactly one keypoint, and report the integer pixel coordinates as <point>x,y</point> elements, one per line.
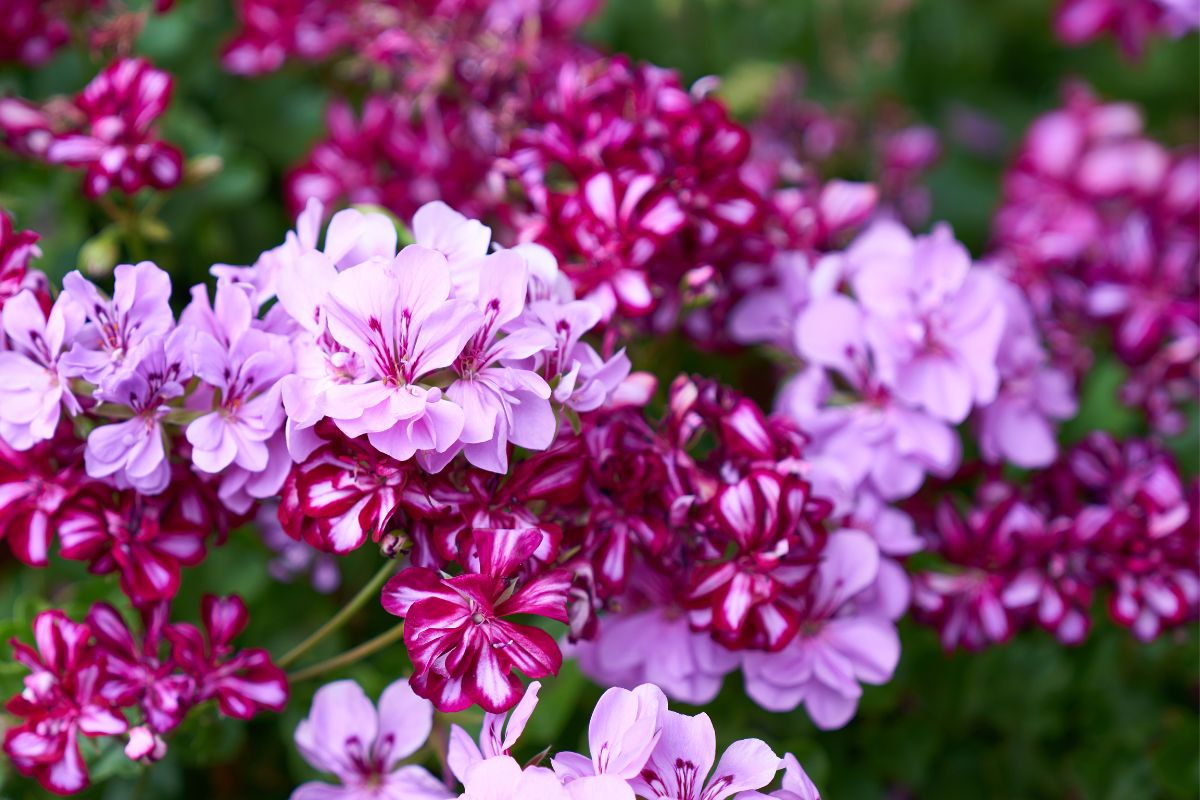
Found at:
<point>35,384</point>
<point>240,366</point>
<point>501,402</point>
<point>140,309</point>
<point>840,645</point>
<point>463,241</point>
<point>679,766</point>
<point>320,362</point>
<point>892,529</point>
<point>346,736</point>
<point>583,379</point>
<point>398,318</point>
<point>774,298</point>
<point>932,322</point>
<point>623,732</point>
<point>656,646</point>
<point>354,237</point>
<point>1021,425</point>
<point>878,440</point>
<point>133,453</point>
<point>501,778</point>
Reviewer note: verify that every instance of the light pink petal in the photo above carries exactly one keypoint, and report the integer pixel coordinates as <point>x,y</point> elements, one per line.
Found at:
<point>405,721</point>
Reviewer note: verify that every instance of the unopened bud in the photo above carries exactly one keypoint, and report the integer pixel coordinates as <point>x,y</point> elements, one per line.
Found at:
<point>392,545</point>
<point>145,745</point>
<point>201,168</point>
<point>99,254</point>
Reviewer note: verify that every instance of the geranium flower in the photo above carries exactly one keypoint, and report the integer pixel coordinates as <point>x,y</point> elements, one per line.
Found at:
<point>463,650</point>
<point>346,735</point>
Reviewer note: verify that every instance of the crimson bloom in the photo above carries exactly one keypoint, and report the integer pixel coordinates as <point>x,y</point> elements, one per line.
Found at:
<point>463,650</point>
<point>60,701</point>
<point>243,682</point>
<point>118,146</point>
<point>136,536</point>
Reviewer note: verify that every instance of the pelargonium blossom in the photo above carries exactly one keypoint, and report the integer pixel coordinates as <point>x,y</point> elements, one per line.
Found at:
<point>463,649</point>
<point>1098,227</point>
<point>60,701</point>
<point>1132,22</point>
<point>639,746</point>
<point>345,734</point>
<point>1107,519</point>
<point>118,147</point>
<point>95,678</point>
<point>37,383</point>
<point>138,310</point>
<point>840,645</point>
<point>241,365</point>
<point>134,452</point>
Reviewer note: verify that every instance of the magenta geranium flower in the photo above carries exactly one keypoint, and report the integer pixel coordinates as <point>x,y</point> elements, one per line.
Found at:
<point>134,537</point>
<point>454,626</point>
<point>61,700</point>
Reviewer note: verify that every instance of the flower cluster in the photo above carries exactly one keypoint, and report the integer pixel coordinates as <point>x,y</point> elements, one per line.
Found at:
<point>638,748</point>
<point>899,339</point>
<point>107,130</point>
<point>634,183</point>
<point>367,357</point>
<point>1132,22</point>
<point>97,678</point>
<point>1098,226</point>
<point>421,44</point>
<point>708,549</point>
<point>462,77</point>
<point>1109,517</point>
<point>32,31</point>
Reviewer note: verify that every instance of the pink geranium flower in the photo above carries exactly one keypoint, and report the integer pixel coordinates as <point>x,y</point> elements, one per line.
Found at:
<point>133,453</point>
<point>932,321</point>
<point>840,644</point>
<point>624,730</point>
<point>36,384</point>
<point>501,403</point>
<point>139,309</point>
<point>241,365</point>
<point>345,735</point>
<point>398,318</point>
<point>679,766</point>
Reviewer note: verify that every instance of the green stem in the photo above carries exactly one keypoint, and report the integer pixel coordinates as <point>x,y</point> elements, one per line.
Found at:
<point>350,656</point>
<point>339,619</point>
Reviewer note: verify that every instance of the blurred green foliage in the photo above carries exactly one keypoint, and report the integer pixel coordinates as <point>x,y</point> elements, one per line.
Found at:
<point>1111,719</point>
